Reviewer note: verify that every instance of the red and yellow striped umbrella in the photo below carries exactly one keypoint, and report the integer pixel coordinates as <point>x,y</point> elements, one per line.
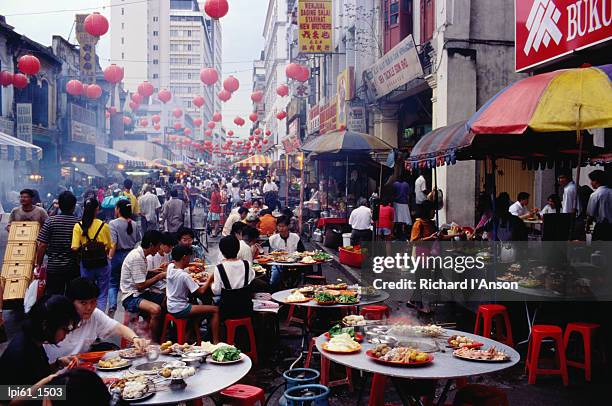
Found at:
<point>255,160</point>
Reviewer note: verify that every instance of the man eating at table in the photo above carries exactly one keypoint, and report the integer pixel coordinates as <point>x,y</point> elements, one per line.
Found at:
<point>94,323</point>
<point>283,241</point>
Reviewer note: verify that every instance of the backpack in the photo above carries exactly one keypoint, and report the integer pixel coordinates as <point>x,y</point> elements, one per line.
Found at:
<point>93,252</point>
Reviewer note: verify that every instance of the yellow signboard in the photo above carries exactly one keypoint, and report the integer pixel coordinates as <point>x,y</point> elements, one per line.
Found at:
<point>315,26</point>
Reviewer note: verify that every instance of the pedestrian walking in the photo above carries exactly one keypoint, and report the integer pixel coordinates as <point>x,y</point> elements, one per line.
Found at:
<point>173,213</point>
<point>149,209</point>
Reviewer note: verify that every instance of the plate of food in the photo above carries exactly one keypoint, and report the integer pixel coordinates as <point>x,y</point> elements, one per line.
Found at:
<point>258,269</point>
<point>341,344</point>
<point>178,350</point>
<point>308,260</point>
<point>177,373</point>
<point>403,330</point>
<point>321,257</point>
<point>92,357</point>
<point>337,286</point>
<point>324,298</point>
<point>399,356</point>
<point>296,297</point>
<point>474,354</point>
<point>166,348</point>
<point>133,388</point>
<point>113,363</point>
<point>353,320</point>
<point>149,368</point>
<point>347,299</point>
<point>338,329</point>
<point>457,341</point>
<point>131,353</point>
<point>227,354</point>
<point>529,283</point>
<point>263,260</point>
<point>307,290</point>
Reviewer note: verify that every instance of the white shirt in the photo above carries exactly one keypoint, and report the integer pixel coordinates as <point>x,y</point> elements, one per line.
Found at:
<point>244,253</point>
<point>247,194</point>
<point>81,338</point>
<point>180,285</point>
<point>600,204</point>
<point>235,192</point>
<point>270,187</point>
<point>277,243</point>
<point>548,210</point>
<point>233,218</point>
<point>133,271</point>
<point>361,218</point>
<point>155,262</point>
<point>149,203</point>
<point>235,276</point>
<point>568,205</point>
<point>518,210</point>
<point>420,186</point>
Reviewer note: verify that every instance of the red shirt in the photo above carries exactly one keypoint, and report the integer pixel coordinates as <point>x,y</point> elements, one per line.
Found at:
<point>215,202</point>
<point>386,215</point>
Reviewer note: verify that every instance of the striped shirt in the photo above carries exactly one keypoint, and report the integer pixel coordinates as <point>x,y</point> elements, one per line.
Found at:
<point>57,234</point>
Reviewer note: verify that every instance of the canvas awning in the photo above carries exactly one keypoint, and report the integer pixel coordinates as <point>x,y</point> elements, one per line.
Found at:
<point>14,149</point>
<point>115,156</point>
<point>88,169</point>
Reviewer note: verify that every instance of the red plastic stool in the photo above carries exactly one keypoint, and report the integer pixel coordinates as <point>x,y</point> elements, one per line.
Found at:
<point>325,366</point>
<point>480,395</point>
<point>488,313</point>
<point>243,395</point>
<point>586,330</point>
<point>181,329</point>
<point>377,390</point>
<point>232,324</point>
<point>375,312</point>
<point>538,334</point>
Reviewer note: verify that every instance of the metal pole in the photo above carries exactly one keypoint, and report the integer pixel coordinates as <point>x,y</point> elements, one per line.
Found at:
<point>435,171</point>
<point>301,193</point>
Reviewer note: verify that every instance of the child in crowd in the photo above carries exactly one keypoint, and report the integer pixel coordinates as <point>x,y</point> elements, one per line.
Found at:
<point>159,261</point>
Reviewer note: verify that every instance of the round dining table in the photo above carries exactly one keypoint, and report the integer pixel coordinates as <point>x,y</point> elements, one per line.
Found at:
<point>209,379</point>
<point>379,297</point>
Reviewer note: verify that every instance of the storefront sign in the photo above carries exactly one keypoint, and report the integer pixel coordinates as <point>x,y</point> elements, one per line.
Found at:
<point>549,29</point>
<point>292,143</point>
<point>396,68</point>
<point>24,121</point>
<point>82,125</point>
<point>315,26</point>
<point>328,117</point>
<point>300,90</point>
<point>357,119</point>
<point>87,49</point>
<point>312,126</point>
<point>345,90</point>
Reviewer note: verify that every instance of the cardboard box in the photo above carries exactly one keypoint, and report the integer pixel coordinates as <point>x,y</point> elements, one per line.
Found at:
<point>20,252</point>
<point>15,288</point>
<point>24,231</point>
<point>17,269</point>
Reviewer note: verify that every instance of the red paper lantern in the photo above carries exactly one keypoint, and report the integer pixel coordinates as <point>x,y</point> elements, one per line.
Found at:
<point>208,143</point>
<point>134,106</point>
<point>96,24</point>
<point>229,142</point>
<point>187,131</point>
<point>216,9</point>
<point>268,133</point>
<point>208,133</point>
<point>217,117</point>
<point>144,122</point>
<point>209,76</point>
<point>136,98</point>
<point>251,138</point>
<point>145,89</point>
<point>127,120</point>
<point>231,84</point>
<point>281,115</point>
<point>257,131</point>
<point>177,126</point>
<point>239,121</point>
<point>177,113</point>
<point>113,74</point>
<point>303,74</point>
<point>230,133</point>
<point>264,141</point>
<point>239,142</point>
<point>257,96</point>
<point>155,118</point>
<point>20,81</point>
<point>28,64</point>
<point>198,101</point>
<point>93,91</point>
<point>164,96</point>
<point>282,90</point>
<point>6,78</point>
<point>157,127</point>
<point>224,95</point>
<point>253,117</point>
<point>74,87</point>
<point>211,124</point>
<point>292,70</point>
<point>197,122</point>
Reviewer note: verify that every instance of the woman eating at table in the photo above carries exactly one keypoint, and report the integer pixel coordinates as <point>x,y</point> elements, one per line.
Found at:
<point>24,362</point>
<point>94,323</point>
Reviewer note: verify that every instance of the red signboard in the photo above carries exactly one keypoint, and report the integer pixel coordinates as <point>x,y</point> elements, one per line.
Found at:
<point>548,29</point>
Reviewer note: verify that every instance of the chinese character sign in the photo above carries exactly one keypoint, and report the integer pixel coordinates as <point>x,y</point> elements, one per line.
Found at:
<point>24,121</point>
<point>87,57</point>
<point>315,26</point>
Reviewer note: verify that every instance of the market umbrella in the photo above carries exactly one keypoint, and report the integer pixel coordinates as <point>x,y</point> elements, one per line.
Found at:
<point>162,161</point>
<point>255,160</point>
<point>346,142</point>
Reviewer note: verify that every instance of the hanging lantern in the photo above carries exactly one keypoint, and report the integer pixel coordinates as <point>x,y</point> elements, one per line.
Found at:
<point>231,84</point>
<point>134,106</point>
<point>257,96</point>
<point>127,120</point>
<point>155,118</point>
<point>112,109</point>
<point>208,143</point>
<point>96,24</point>
<point>216,9</point>
<point>281,115</point>
<point>209,76</point>
<point>224,95</point>
<point>259,148</point>
<point>20,81</point>
<point>198,101</point>
<point>113,74</point>
<point>6,78</point>
<point>177,113</point>
<point>28,64</point>
<point>211,124</point>
<point>264,141</point>
<point>217,117</point>
<point>239,142</point>
<point>177,126</point>
<point>74,87</point>
<point>230,133</point>
<point>93,91</point>
<point>268,133</point>
<point>229,142</point>
<point>257,131</point>
<point>208,133</point>
<point>292,70</point>
<point>157,127</point>
<point>303,74</point>
<point>197,122</point>
<point>136,98</point>
<point>239,121</point>
<point>144,122</point>
<point>145,89</point>
<point>253,117</point>
<point>164,96</point>
<point>187,131</point>
<point>282,90</point>
<point>251,138</point>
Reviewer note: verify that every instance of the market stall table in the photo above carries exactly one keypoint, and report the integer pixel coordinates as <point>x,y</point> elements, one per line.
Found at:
<point>280,297</point>
<point>328,221</point>
<point>209,379</point>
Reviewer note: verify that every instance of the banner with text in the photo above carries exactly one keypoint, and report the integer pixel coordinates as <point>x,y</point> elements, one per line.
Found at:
<point>315,26</point>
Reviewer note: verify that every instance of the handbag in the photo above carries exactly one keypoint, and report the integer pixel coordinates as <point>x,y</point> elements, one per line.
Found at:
<point>93,252</point>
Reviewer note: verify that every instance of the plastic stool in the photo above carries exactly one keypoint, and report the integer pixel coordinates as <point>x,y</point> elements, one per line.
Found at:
<point>243,395</point>
<point>586,330</point>
<point>377,390</point>
<point>538,334</point>
<point>181,329</point>
<point>487,313</point>
<point>480,395</point>
<point>375,312</point>
<point>325,367</point>
<point>232,324</point>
